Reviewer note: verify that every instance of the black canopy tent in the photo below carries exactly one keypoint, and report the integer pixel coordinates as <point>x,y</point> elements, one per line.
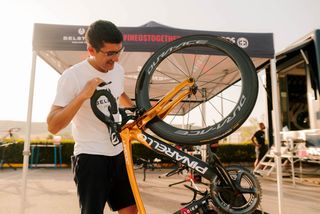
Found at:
<point>146,38</point>
<point>62,46</point>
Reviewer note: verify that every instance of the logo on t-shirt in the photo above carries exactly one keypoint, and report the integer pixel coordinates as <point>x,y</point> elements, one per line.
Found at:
<point>106,109</point>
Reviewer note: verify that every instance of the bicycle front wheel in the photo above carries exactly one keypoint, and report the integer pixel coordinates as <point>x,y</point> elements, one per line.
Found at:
<point>226,88</point>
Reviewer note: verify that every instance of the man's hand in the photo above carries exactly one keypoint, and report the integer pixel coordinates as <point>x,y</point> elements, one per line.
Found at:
<point>90,87</point>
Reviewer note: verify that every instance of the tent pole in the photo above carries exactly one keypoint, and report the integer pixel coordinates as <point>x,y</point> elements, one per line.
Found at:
<point>183,122</point>
<point>26,148</point>
<point>276,131</point>
<point>204,122</point>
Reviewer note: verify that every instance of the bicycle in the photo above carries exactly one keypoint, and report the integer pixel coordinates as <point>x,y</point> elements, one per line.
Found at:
<point>145,165</point>
<point>199,77</point>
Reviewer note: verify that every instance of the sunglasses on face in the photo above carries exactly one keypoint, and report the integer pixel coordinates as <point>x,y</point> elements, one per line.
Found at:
<point>112,53</point>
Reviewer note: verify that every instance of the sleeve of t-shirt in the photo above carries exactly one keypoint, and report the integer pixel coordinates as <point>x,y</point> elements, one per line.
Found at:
<point>122,80</point>
<point>66,89</point>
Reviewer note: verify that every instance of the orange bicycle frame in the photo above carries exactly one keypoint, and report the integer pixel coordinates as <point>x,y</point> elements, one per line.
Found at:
<point>133,131</point>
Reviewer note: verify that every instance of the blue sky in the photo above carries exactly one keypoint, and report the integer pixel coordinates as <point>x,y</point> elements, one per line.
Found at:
<point>289,20</point>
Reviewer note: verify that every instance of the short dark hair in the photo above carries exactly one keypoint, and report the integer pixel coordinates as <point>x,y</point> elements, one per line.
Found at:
<point>102,31</point>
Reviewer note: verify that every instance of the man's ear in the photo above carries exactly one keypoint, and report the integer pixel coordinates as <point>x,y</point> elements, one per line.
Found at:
<point>90,50</point>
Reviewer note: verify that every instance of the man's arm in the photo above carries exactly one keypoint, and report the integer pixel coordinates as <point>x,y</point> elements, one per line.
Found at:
<point>253,139</point>
<point>59,117</point>
<point>125,101</point>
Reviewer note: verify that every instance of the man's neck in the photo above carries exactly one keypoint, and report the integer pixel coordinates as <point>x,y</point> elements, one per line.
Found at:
<point>93,64</point>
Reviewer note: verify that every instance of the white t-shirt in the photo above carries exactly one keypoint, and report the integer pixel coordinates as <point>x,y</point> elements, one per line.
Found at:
<point>90,134</point>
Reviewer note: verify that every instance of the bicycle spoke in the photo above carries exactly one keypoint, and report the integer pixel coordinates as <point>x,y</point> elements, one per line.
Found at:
<point>216,109</point>
<point>193,63</point>
<point>167,75</point>
<point>202,116</point>
<point>188,127</point>
<point>185,63</point>
<point>218,79</point>
<point>201,71</point>
<point>212,67</point>
<point>174,64</point>
<point>173,117</point>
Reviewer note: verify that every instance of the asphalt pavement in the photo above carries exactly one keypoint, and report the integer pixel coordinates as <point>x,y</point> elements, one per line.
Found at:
<point>52,191</point>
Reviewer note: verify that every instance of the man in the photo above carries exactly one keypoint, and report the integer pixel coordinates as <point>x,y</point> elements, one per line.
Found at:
<point>258,139</point>
<point>99,167</point>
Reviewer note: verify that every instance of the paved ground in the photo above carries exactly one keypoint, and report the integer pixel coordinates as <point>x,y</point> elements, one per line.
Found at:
<point>52,191</point>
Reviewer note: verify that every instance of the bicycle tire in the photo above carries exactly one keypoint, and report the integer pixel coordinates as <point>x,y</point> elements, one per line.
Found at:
<point>180,47</point>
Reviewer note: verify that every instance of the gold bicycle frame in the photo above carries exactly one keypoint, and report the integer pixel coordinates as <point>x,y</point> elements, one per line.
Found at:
<point>133,131</point>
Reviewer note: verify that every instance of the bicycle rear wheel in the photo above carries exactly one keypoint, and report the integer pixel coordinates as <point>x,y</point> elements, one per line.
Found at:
<point>226,83</point>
